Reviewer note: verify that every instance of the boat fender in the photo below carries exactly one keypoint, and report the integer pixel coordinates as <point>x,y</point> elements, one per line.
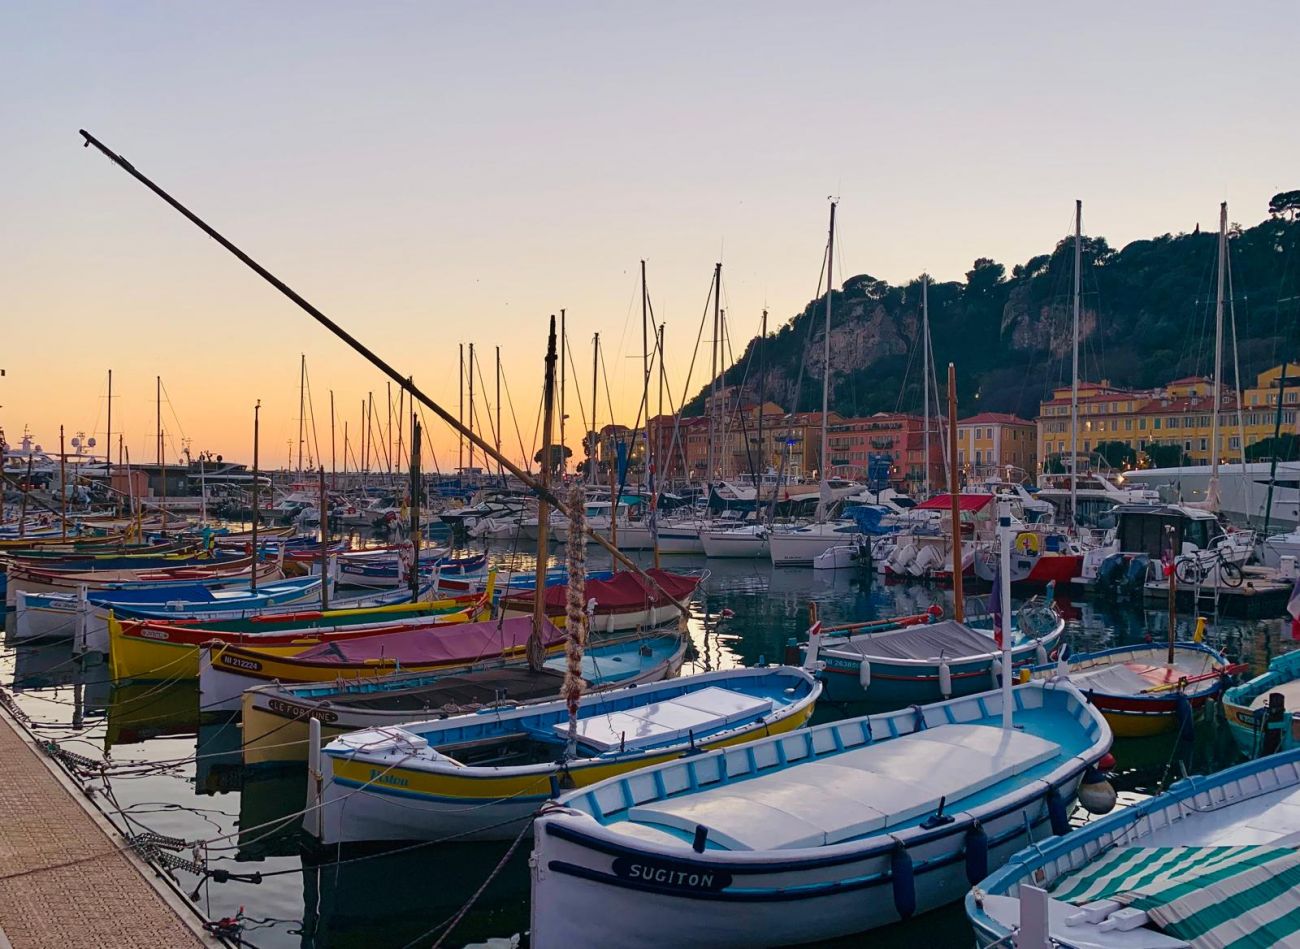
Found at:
<point>1096,794</point>
<point>1040,654</point>
<point>995,670</point>
<point>1056,812</point>
<point>701,837</point>
<point>977,854</point>
<point>933,613</point>
<point>555,786</point>
<point>792,652</point>
<point>945,679</point>
<point>1186,719</point>
<point>762,661</point>
<point>904,882</point>
<point>1276,717</point>
<point>864,674</point>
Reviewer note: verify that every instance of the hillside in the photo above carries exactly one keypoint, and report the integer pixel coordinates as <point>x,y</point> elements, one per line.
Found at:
<point>1147,317</point>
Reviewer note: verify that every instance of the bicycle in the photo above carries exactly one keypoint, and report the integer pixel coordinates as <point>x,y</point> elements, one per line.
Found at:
<point>1194,568</point>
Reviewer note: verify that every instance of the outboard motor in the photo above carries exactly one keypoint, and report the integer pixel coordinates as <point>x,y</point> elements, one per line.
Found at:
<point>1109,573</point>
<point>1135,577</point>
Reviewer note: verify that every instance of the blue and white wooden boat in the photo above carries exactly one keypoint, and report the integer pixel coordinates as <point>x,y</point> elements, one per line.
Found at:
<point>65,615</point>
<point>1264,713</point>
<point>1212,862</point>
<point>483,775</point>
<point>814,835</point>
<point>932,661</point>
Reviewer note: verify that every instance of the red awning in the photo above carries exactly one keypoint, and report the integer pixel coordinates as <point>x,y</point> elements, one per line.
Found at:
<point>965,502</point>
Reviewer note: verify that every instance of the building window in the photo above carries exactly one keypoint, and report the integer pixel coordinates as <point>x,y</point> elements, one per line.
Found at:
<point>1204,444</point>
<point>1155,423</point>
<point>1234,441</point>
<point>1128,425</point>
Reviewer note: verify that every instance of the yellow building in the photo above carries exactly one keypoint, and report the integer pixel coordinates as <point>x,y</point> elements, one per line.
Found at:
<point>1180,414</point>
<point>992,440</point>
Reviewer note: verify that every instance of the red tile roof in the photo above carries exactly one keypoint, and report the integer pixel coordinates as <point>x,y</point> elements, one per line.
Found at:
<point>994,418</point>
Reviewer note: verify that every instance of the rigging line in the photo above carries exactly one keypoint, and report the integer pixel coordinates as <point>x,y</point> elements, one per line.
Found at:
<point>676,441</point>
<point>433,452</point>
<point>1236,365</point>
<point>311,413</point>
<point>489,409</point>
<point>604,372</point>
<point>388,458</point>
<point>811,311</point>
<point>573,366</point>
<point>514,419</point>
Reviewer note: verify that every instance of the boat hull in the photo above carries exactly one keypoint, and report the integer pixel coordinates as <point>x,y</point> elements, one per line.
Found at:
<point>799,549</point>
<point>734,544</point>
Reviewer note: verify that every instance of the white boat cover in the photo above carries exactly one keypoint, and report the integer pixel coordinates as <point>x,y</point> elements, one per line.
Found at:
<point>824,802</point>
<point>946,638</point>
<point>672,720</point>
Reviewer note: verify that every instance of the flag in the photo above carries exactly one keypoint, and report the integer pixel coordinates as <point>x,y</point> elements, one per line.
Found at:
<point>1293,607</point>
<point>995,603</point>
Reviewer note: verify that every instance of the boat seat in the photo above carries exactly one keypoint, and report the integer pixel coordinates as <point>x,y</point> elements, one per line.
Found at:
<point>672,720</point>
<point>854,793</point>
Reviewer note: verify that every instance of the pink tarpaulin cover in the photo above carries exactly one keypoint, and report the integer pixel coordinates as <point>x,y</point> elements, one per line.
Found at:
<point>462,642</point>
<point>623,591</point>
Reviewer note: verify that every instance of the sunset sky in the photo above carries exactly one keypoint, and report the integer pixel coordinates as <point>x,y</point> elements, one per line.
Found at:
<point>434,173</point>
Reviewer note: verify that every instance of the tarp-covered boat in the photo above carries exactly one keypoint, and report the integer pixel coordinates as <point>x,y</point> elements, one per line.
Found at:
<point>225,671</point>
<point>624,601</point>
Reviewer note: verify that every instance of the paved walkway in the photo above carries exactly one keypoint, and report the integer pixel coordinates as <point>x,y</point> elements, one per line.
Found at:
<point>104,900</point>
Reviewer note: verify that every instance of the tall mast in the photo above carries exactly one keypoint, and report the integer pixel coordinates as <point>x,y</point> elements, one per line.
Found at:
<point>1212,492</point>
<point>498,406</point>
<point>416,499</point>
<point>958,599</point>
<point>713,386</point>
<point>397,419</point>
<point>108,440</point>
<point>647,457</point>
<point>388,431</point>
<point>1074,383</point>
<point>595,432</point>
<point>460,412</point>
<point>257,418</point>
<point>535,651</point>
<point>925,378</point>
<point>663,380</point>
<point>823,461</point>
<point>564,345</point>
<point>762,401</point>
<point>470,367</point>
<point>158,402</point>
<point>334,460</point>
<point>302,409</point>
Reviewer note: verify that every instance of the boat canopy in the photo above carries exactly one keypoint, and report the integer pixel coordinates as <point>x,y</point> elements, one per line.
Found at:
<point>624,590</point>
<point>930,641</point>
<point>433,645</point>
<point>965,502</point>
<point>1209,896</point>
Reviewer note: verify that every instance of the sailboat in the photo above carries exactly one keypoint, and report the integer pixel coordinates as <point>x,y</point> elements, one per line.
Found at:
<point>800,546</point>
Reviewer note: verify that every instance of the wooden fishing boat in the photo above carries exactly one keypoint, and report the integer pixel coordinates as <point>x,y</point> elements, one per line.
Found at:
<point>148,649</point>
<point>1264,713</point>
<point>274,716</point>
<point>85,618</point>
<point>226,670</point>
<point>812,836</point>
<point>923,659</point>
<point>39,580</point>
<point>1140,691</point>
<point>483,774</point>
<point>626,601</point>
<point>1211,862</point>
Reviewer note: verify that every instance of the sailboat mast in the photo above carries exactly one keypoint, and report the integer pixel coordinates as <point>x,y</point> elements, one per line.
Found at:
<point>498,406</point>
<point>1074,383</point>
<point>158,415</point>
<point>108,440</point>
<point>713,386</point>
<point>762,401</point>
<point>647,458</point>
<point>302,409</point>
<point>823,462</point>
<point>925,378</point>
<point>471,402</point>
<point>388,431</point>
<point>257,421</point>
<point>334,460</point>
<point>958,596</point>
<point>595,432</point>
<point>416,499</point>
<point>564,345</point>
<point>1212,494</point>
<point>460,411</point>
<point>535,653</point>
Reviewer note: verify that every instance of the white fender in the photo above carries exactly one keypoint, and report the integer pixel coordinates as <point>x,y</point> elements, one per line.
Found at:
<point>864,674</point>
<point>1040,654</point>
<point>945,679</point>
<point>995,670</point>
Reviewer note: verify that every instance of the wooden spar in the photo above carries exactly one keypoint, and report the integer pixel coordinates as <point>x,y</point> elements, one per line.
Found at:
<point>595,432</point>
<point>613,511</point>
<point>470,367</point>
<point>958,606</point>
<point>371,357</point>
<point>535,651</point>
<point>334,460</point>
<point>647,456</point>
<point>415,509</point>
<point>564,343</point>
<point>324,546</point>
<point>63,487</point>
<point>460,415</point>
<point>257,416</point>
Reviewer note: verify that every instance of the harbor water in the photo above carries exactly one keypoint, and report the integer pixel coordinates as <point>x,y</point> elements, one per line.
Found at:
<point>180,776</point>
